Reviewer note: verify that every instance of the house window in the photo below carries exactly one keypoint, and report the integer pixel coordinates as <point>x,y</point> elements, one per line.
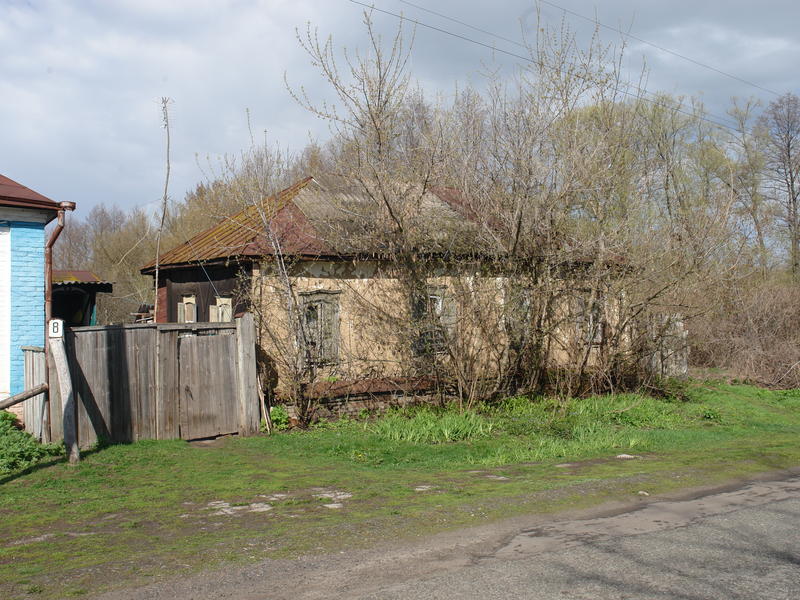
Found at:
<point>433,314</point>
<point>320,317</point>
<point>518,313</point>
<point>187,309</point>
<point>221,311</point>
<point>589,320</point>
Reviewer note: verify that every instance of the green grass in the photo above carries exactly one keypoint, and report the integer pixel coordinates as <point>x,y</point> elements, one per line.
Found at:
<point>134,512</point>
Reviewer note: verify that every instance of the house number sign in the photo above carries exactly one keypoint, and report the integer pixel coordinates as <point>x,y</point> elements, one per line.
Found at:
<point>56,328</point>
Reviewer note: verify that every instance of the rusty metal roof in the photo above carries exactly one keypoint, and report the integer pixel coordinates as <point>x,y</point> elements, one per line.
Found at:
<point>237,235</point>
<point>328,216</point>
<point>16,194</point>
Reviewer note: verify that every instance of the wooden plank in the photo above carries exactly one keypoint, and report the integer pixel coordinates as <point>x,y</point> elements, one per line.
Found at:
<point>138,354</point>
<point>168,392</point>
<point>77,348</point>
<point>59,354</point>
<point>35,409</point>
<point>208,384</point>
<point>114,371</point>
<point>22,396</point>
<point>55,404</point>
<point>247,376</point>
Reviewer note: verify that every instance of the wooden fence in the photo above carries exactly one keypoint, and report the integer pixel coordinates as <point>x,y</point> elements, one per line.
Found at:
<point>166,381</point>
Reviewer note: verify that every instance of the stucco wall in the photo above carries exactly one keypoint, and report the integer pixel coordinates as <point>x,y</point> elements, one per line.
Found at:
<point>375,338</point>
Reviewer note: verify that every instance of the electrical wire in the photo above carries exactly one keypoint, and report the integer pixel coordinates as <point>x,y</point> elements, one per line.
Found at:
<point>530,60</point>
<point>658,47</point>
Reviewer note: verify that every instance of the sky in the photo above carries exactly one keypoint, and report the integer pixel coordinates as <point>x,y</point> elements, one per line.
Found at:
<point>81,80</point>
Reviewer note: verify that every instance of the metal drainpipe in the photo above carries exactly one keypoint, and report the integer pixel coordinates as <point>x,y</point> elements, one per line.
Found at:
<point>48,290</point>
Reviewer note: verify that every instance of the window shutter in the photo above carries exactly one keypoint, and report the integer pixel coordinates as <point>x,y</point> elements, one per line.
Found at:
<point>449,315</point>
<point>213,314</point>
<point>191,312</point>
<point>224,309</point>
<point>328,331</point>
<point>181,312</point>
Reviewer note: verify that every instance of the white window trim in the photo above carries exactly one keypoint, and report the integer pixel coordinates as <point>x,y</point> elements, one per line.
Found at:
<point>187,300</point>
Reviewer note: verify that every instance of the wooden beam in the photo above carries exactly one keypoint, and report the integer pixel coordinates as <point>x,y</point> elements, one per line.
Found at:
<point>58,354</point>
<point>247,375</point>
<point>22,396</point>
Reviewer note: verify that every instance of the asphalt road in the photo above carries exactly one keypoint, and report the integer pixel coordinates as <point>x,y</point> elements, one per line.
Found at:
<point>749,552</point>
<point>741,543</point>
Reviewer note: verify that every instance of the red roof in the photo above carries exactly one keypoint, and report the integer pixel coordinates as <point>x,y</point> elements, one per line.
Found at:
<point>16,194</point>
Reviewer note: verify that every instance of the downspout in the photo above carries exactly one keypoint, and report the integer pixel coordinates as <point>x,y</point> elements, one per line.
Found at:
<point>48,298</point>
<point>48,260</point>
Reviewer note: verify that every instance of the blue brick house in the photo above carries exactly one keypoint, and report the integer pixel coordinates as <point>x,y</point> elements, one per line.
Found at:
<point>23,217</point>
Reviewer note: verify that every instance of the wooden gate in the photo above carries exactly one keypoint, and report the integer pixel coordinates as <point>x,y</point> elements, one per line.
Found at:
<point>205,415</point>
<point>165,381</point>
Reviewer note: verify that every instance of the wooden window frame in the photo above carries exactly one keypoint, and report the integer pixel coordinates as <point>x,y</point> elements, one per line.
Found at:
<point>435,321</point>
<point>321,337</point>
<point>182,306</point>
<point>214,310</point>
<point>589,320</point>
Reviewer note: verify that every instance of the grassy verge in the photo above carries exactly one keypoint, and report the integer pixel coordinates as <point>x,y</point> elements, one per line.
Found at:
<point>161,508</point>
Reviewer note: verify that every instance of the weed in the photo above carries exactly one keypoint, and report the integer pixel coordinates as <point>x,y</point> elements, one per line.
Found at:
<point>18,449</point>
<point>280,417</point>
<point>429,426</point>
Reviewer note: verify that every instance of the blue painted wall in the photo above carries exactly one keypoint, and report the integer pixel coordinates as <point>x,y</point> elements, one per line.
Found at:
<point>27,295</point>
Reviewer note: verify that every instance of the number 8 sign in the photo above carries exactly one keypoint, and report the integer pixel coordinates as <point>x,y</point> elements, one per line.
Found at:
<point>56,329</point>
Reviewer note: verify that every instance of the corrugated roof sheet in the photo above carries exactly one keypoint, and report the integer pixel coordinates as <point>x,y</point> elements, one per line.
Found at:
<point>16,194</point>
<point>76,276</point>
<point>238,235</point>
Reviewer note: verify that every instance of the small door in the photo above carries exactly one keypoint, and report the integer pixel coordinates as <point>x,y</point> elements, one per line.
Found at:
<point>208,386</point>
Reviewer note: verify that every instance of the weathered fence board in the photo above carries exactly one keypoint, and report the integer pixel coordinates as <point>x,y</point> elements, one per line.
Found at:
<point>167,381</point>
<point>204,380</point>
<point>34,410</point>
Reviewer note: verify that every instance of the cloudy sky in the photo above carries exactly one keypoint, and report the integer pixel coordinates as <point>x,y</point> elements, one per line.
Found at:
<point>80,80</point>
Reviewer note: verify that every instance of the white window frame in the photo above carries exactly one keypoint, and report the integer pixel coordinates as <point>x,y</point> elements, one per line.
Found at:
<point>221,311</point>
<point>183,307</point>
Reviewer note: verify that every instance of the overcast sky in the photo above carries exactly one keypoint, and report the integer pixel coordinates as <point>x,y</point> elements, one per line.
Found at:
<point>80,80</point>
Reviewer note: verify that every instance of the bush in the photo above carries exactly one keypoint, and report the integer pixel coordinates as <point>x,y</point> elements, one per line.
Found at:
<point>19,450</point>
<point>280,417</point>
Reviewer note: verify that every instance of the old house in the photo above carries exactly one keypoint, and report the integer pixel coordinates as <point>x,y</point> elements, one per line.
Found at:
<point>24,277</point>
<point>346,311</point>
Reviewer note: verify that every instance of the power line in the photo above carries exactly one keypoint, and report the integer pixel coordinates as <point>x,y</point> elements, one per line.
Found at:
<point>530,60</point>
<point>598,23</point>
<point>517,43</point>
<point>658,47</point>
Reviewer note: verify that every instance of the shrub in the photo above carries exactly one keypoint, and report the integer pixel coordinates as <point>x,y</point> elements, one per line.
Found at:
<point>19,450</point>
<point>280,417</point>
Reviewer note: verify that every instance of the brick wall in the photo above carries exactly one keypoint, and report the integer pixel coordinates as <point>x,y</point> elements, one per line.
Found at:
<point>27,295</point>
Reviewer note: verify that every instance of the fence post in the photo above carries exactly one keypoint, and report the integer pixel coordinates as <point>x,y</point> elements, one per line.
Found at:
<point>70,415</point>
<point>247,375</point>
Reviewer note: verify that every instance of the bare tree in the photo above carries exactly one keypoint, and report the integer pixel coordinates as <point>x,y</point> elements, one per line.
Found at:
<point>780,125</point>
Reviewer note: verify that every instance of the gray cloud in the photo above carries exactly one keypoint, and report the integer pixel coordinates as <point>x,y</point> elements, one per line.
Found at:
<point>80,81</point>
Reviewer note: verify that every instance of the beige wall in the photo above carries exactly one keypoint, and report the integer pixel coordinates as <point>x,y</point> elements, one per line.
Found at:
<point>374,316</point>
